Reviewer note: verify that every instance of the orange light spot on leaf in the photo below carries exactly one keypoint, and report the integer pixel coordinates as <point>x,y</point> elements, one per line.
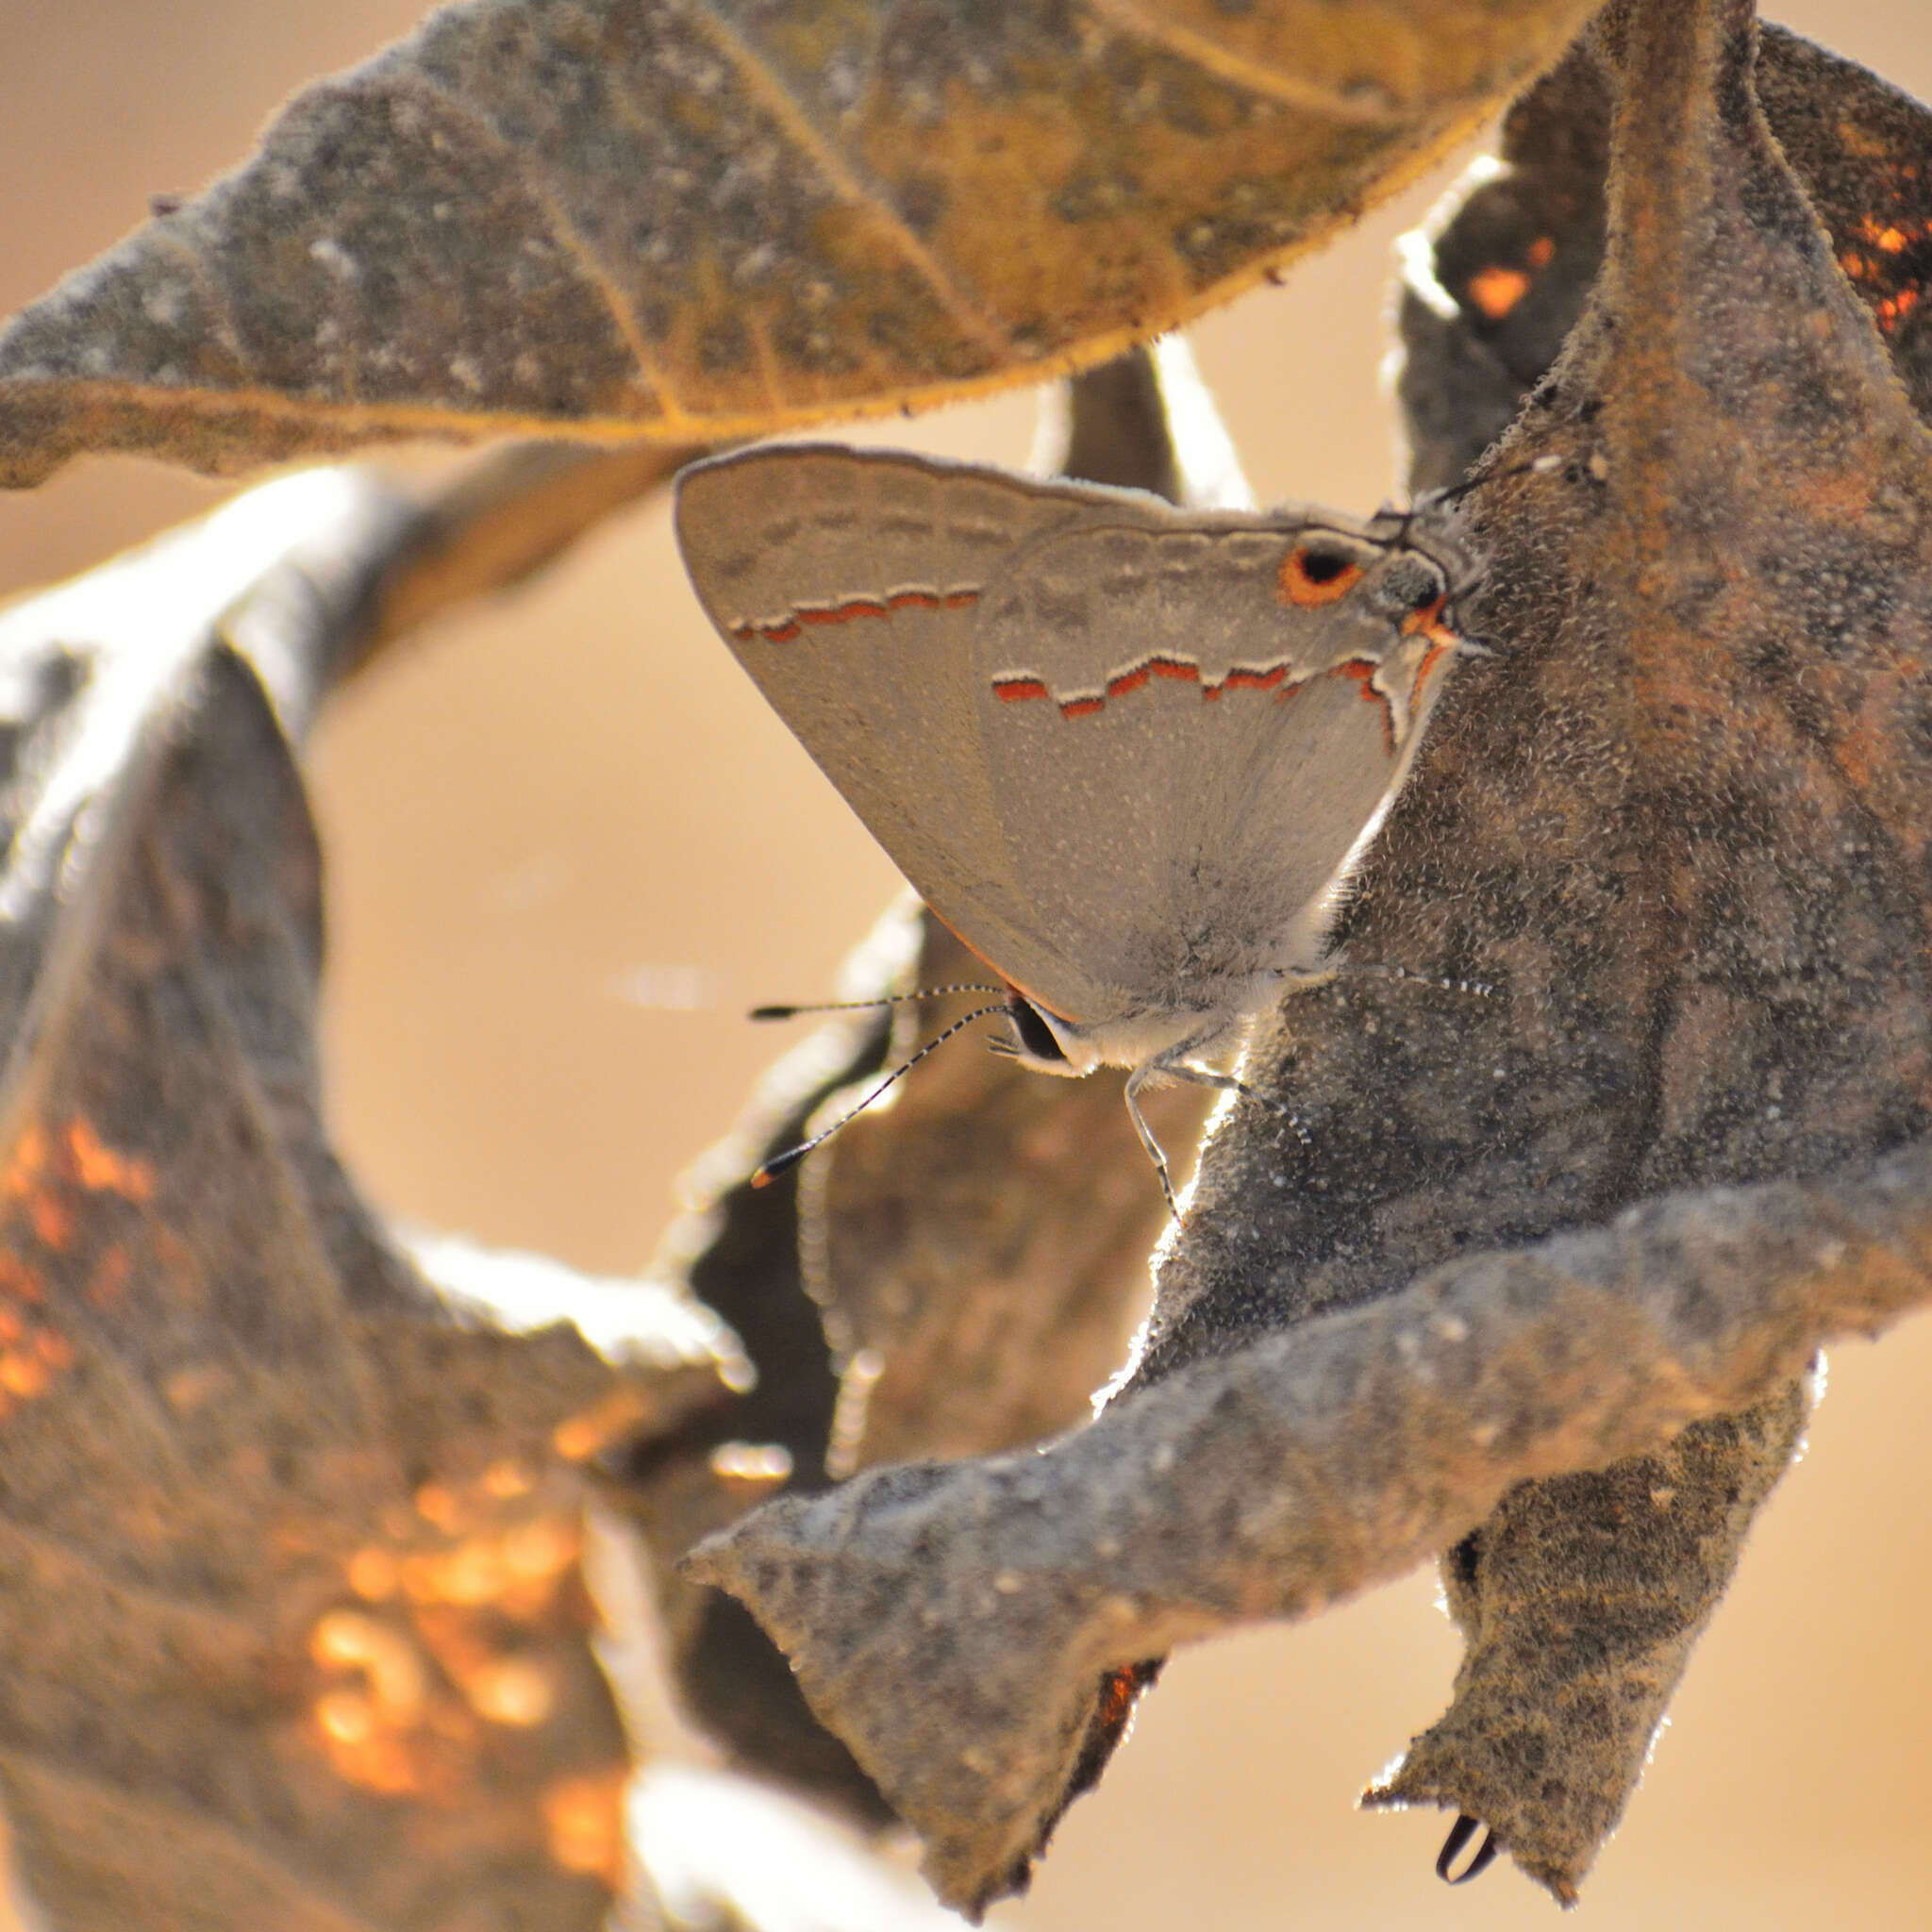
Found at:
<point>29,1158</point>
<point>484,1569</point>
<point>390,1665</point>
<point>102,1171</point>
<point>374,1574</point>
<point>517,1691</point>
<point>582,1435</point>
<point>537,1551</point>
<point>25,1375</point>
<point>346,1716</point>
<point>51,1218</point>
<point>361,1751</point>
<point>1497,291</point>
<point>1886,237</point>
<point>585,1817</point>
<point>578,1437</point>
<point>503,1482</point>
<point>436,1505</point>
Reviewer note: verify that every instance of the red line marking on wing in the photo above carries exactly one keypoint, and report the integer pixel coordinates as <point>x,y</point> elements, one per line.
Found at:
<point>1136,677</point>
<point>1241,678</point>
<point>1440,643</point>
<point>842,613</point>
<point>782,630</point>
<point>1363,673</point>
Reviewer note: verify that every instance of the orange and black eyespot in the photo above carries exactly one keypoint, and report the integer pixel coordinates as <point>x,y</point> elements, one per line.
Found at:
<point>1312,574</point>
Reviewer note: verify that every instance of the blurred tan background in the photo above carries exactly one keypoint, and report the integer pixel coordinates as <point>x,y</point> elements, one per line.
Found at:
<point>568,846</point>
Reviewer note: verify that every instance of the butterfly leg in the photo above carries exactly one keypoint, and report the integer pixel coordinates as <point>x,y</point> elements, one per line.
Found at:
<point>1135,1082</point>
<point>1226,1083</point>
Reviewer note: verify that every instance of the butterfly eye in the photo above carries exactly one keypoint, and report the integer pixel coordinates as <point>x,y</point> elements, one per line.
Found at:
<point>1313,574</point>
<point>1036,1036</point>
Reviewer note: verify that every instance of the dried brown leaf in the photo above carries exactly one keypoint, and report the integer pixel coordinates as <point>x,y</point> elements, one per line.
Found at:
<point>293,1623</point>
<point>1563,1689</point>
<point>1294,1471</point>
<point>1570,1667</point>
<point>603,219</point>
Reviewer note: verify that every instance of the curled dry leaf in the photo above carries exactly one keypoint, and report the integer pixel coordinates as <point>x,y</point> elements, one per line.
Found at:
<point>607,218</point>
<point>293,1624</point>
<point>1292,1471</point>
<point>1678,823</point>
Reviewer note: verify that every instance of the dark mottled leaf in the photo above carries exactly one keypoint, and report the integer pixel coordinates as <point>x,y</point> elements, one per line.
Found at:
<point>1578,1633</point>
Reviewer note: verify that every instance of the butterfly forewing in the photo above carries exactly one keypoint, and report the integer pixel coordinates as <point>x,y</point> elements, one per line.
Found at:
<point>847,584</point>
<point>1123,750</point>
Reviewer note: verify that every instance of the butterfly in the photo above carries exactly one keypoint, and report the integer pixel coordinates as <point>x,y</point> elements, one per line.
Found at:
<point>1129,754</point>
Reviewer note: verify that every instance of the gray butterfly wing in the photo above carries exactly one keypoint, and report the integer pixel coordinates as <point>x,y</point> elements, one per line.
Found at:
<point>1187,736</point>
<point>847,583</point>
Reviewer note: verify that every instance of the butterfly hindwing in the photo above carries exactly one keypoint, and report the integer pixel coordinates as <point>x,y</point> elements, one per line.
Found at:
<point>1188,735</point>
